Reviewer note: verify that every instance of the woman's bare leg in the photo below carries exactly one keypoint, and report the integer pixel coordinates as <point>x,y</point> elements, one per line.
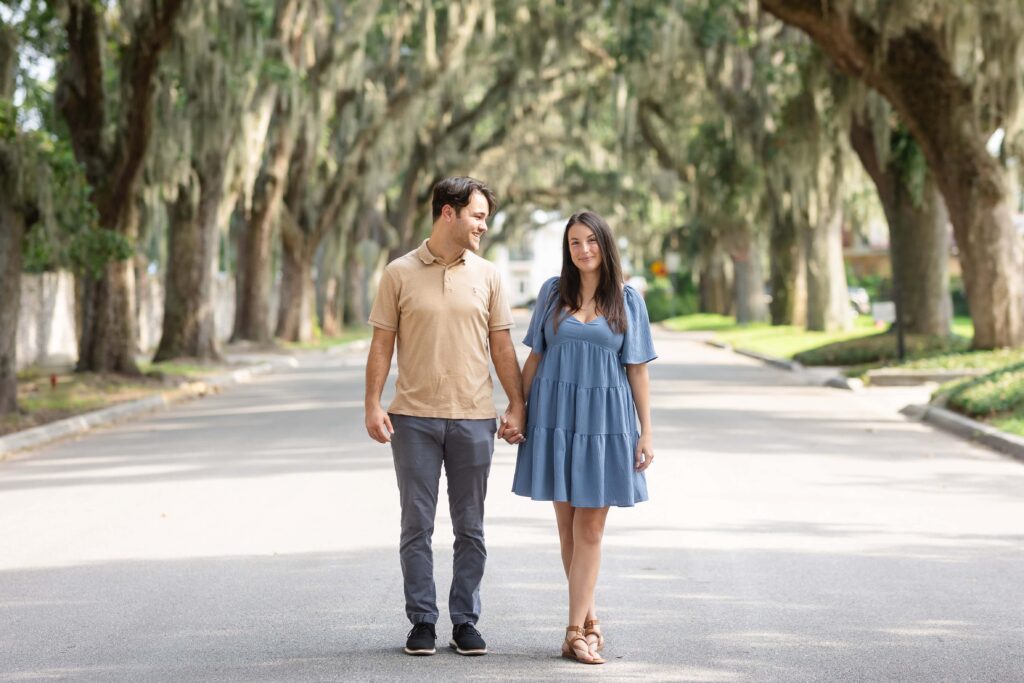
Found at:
<point>587,532</point>
<point>564,513</point>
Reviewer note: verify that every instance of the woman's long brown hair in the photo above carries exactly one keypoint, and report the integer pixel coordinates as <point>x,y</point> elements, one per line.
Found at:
<point>609,296</point>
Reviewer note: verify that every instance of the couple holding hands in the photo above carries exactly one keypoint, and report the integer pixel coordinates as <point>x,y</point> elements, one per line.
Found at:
<point>574,408</point>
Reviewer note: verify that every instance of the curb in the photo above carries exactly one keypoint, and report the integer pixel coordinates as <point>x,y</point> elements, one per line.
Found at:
<point>972,430</point>
<point>354,345</point>
<point>833,381</point>
<point>78,424</point>
<point>888,377</point>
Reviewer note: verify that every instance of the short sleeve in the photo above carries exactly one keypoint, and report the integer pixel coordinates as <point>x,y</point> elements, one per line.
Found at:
<point>535,333</point>
<point>637,346</point>
<point>385,306</point>
<point>499,313</point>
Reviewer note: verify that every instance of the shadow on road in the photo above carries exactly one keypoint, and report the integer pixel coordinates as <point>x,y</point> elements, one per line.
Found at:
<point>670,614</point>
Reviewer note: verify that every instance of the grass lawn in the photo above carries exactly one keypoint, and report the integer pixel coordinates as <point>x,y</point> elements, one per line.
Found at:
<point>73,393</point>
<point>48,395</point>
<point>324,342</point>
<point>996,398</point>
<point>781,341</point>
<point>701,322</point>
<point>786,341</point>
<point>1013,423</point>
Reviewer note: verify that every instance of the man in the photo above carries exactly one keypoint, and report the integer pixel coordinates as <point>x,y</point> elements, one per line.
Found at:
<point>446,308</point>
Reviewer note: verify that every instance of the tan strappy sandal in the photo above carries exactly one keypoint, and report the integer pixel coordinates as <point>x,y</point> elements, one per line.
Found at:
<point>589,630</point>
<point>573,635</point>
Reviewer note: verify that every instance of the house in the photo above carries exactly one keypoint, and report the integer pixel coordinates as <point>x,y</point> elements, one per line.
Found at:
<point>525,266</point>
<point>537,255</point>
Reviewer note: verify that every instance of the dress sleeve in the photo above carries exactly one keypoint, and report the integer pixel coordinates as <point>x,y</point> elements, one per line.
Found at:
<point>637,347</point>
<point>535,333</point>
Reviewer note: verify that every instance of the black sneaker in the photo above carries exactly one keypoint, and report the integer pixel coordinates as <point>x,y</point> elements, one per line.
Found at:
<point>466,640</point>
<point>421,640</point>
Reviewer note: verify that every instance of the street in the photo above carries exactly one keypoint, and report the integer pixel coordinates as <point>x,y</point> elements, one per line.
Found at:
<point>794,533</point>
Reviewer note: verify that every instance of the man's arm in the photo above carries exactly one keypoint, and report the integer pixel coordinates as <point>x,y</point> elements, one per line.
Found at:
<point>378,365</point>
<point>503,355</point>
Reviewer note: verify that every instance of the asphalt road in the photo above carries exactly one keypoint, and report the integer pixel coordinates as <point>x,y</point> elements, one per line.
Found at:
<point>795,533</point>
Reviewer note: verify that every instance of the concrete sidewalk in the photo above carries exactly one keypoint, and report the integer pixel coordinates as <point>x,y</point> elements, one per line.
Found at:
<point>795,533</point>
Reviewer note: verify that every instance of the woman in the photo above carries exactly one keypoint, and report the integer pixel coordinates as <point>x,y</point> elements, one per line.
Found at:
<point>586,383</point>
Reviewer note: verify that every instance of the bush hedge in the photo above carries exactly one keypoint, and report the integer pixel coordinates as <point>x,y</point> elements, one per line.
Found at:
<point>998,392</point>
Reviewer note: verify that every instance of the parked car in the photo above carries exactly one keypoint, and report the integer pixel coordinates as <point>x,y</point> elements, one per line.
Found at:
<point>859,300</point>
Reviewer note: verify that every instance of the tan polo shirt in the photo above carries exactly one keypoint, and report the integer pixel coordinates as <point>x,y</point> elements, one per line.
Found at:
<point>443,314</point>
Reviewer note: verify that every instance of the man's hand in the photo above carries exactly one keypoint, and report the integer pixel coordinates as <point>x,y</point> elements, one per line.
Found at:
<point>513,424</point>
<point>378,424</point>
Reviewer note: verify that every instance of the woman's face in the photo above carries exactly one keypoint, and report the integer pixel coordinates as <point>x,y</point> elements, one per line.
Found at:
<point>583,247</point>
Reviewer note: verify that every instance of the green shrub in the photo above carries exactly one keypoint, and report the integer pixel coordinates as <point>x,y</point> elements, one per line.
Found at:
<point>664,301</point>
<point>878,348</point>
<point>959,297</point>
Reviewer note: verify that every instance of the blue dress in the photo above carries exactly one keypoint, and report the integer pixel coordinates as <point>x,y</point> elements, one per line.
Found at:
<point>581,425</point>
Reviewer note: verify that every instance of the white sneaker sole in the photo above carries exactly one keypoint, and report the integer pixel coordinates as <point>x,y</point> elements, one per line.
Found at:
<point>419,653</point>
<point>469,653</point>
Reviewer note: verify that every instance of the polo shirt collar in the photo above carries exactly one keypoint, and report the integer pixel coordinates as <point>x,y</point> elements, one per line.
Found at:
<point>428,257</point>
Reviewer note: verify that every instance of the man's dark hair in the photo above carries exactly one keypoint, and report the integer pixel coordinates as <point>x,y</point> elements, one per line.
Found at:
<point>457,191</point>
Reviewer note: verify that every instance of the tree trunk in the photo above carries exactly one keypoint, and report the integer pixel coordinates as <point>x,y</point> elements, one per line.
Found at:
<point>748,275</point>
<point>252,297</point>
<point>189,328</point>
<point>918,240</point>
<point>108,342</point>
<point>294,319</point>
<point>828,306</point>
<point>918,78</point>
<point>404,215</point>
<point>112,162</point>
<point>919,246</point>
<point>331,322</point>
<point>716,282</point>
<point>108,339</point>
<point>12,232</point>
<point>992,261</point>
<point>785,263</point>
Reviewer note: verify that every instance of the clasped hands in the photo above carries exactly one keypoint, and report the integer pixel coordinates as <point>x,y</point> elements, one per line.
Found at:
<point>513,425</point>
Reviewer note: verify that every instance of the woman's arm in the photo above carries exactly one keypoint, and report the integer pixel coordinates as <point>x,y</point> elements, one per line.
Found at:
<point>640,385</point>
<point>529,370</point>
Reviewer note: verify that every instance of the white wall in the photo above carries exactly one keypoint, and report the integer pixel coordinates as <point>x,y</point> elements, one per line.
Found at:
<point>46,321</point>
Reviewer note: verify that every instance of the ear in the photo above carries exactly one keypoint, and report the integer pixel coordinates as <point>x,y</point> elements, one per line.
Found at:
<point>448,211</point>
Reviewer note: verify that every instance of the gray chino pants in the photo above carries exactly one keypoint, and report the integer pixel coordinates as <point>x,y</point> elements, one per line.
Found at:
<point>420,446</point>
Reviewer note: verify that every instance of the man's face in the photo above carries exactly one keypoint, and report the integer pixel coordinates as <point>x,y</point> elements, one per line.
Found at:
<point>469,225</point>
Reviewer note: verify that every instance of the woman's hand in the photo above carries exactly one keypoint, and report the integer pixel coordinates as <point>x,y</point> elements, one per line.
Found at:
<point>644,453</point>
